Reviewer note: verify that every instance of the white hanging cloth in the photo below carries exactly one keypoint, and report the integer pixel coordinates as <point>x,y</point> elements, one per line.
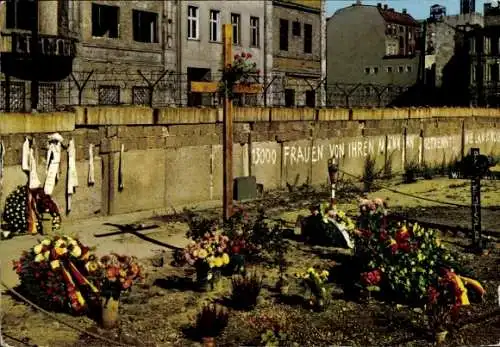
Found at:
<point>34,181</point>
<point>72,174</point>
<point>91,179</point>
<point>53,161</point>
<point>2,158</point>
<point>25,163</point>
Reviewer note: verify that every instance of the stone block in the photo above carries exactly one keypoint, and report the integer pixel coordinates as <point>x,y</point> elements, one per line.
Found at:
<point>25,123</point>
<point>120,115</point>
<point>252,114</point>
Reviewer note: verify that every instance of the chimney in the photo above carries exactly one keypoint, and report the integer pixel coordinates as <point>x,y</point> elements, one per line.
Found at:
<point>379,5</point>
<point>386,7</point>
<point>404,11</point>
<point>358,2</point>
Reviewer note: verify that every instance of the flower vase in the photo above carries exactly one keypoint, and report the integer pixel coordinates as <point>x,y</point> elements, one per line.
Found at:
<point>109,313</point>
<point>208,342</point>
<point>203,276</point>
<point>440,336</point>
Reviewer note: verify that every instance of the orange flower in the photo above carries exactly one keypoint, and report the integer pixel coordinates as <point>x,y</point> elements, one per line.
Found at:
<point>127,284</point>
<point>112,273</point>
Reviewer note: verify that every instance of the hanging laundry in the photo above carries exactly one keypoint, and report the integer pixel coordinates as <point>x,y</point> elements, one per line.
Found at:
<point>72,174</point>
<point>25,163</point>
<point>91,179</point>
<point>120,169</point>
<point>33,180</point>
<point>53,161</point>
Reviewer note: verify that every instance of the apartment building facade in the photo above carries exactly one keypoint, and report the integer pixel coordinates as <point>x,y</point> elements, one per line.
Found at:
<point>299,47</point>
<point>200,24</point>
<point>90,52</point>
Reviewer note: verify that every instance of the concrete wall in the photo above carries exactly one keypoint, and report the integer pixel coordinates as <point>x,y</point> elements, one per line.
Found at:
<point>173,156</point>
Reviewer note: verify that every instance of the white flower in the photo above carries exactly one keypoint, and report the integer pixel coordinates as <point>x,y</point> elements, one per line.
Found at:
<point>38,249</point>
<point>46,242</point>
<point>39,258</point>
<point>76,252</point>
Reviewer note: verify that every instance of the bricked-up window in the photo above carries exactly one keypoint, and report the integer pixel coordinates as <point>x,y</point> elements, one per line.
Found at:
<point>109,95</point>
<point>20,14</point>
<point>308,31</point>
<point>236,23</point>
<point>254,32</point>
<point>296,28</point>
<point>215,25</point>
<point>310,98</point>
<point>283,35</point>
<point>145,26</point>
<point>289,97</point>
<point>193,23</point>
<point>105,21</point>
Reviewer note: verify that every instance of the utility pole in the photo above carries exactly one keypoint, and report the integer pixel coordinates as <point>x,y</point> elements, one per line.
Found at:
<point>34,58</point>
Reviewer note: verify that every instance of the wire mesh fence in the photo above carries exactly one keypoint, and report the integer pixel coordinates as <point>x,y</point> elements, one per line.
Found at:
<point>160,88</point>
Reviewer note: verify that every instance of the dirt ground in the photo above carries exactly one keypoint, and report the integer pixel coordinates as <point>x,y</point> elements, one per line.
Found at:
<point>159,312</point>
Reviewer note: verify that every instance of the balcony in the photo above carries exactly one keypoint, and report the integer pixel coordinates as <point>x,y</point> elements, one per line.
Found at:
<point>53,61</point>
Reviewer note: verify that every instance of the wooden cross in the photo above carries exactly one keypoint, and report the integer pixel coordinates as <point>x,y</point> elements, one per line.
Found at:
<point>213,87</point>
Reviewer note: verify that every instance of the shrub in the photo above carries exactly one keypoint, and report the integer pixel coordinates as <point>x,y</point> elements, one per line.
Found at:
<point>211,321</point>
<point>369,174</point>
<point>246,290</point>
<point>411,172</point>
<point>199,226</point>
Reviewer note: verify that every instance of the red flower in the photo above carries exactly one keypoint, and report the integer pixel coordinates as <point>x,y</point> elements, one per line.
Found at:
<point>249,55</point>
<point>236,249</point>
<point>384,236</point>
<point>236,57</point>
<point>404,246</point>
<point>402,235</point>
<point>371,278</point>
<point>433,295</point>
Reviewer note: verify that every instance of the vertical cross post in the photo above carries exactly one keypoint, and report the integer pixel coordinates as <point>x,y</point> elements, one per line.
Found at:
<point>333,170</point>
<point>476,201</point>
<point>228,130</point>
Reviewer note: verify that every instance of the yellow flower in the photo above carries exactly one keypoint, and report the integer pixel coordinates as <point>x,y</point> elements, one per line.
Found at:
<point>46,254</point>
<point>59,243</point>
<point>38,249</point>
<point>55,264</point>
<point>218,262</point>
<point>225,259</point>
<point>211,262</point>
<point>325,273</point>
<point>195,253</point>
<point>46,242</point>
<point>92,266</point>
<point>61,251</point>
<point>39,258</point>
<point>76,252</point>
<point>123,273</point>
<point>438,242</point>
<point>202,254</point>
<point>310,270</point>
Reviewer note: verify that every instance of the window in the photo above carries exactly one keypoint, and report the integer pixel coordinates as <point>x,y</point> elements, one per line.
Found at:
<point>215,25</point>
<point>308,38</point>
<point>105,21</point>
<point>289,97</point>
<point>193,23</point>
<point>145,26</point>
<point>236,22</point>
<point>389,69</point>
<point>487,72</point>
<point>391,48</point>
<point>472,45</point>
<point>310,98</point>
<point>367,70</point>
<point>140,95</point>
<point>254,32</point>
<point>296,28</point>
<point>375,70</point>
<point>20,14</point>
<point>487,45</point>
<point>408,68</point>
<point>401,69</point>
<point>283,35</point>
<point>109,95</point>
<point>473,74</point>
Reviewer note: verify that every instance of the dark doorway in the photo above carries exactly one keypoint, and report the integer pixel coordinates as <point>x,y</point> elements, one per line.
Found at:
<point>195,74</point>
<point>310,98</point>
<point>289,97</point>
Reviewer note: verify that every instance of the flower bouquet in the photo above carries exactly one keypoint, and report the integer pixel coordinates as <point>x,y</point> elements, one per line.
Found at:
<point>117,274</point>
<point>208,256</point>
<point>239,71</point>
<point>56,275</point>
<point>314,283</point>
<point>24,209</point>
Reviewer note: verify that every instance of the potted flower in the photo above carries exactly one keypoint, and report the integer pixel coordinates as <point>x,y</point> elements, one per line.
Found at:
<point>314,283</point>
<point>208,256</point>
<point>118,274</point>
<point>210,323</point>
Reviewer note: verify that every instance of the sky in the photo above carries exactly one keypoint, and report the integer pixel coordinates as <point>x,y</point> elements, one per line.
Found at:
<point>419,9</point>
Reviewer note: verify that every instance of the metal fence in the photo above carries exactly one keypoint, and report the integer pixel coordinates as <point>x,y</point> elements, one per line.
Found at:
<point>166,88</point>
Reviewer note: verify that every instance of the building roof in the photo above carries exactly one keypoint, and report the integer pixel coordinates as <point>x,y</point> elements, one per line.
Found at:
<point>391,16</point>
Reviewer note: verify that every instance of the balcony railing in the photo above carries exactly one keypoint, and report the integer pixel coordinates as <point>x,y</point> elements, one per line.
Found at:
<point>48,45</point>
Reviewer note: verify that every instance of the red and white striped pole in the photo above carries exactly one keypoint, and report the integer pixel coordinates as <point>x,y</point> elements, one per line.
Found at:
<point>333,169</point>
